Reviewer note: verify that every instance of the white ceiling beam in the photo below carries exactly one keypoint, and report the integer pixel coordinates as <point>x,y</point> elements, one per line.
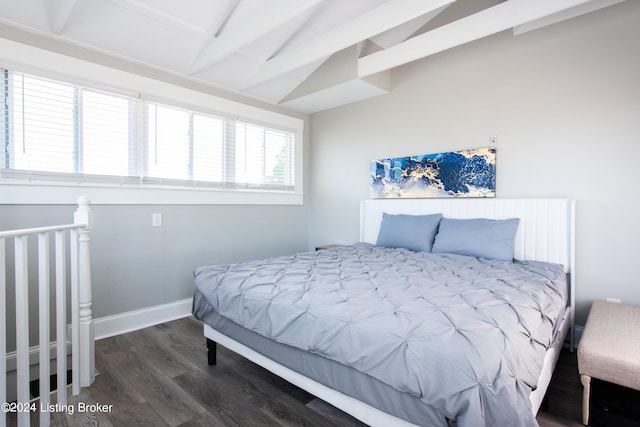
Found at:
<point>59,12</point>
<point>163,17</point>
<point>481,24</point>
<point>378,20</point>
<point>402,32</point>
<point>582,9</point>
<point>264,20</point>
<point>336,83</point>
<point>217,22</point>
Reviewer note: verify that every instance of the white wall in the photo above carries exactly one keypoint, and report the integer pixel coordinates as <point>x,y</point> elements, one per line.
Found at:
<point>564,102</point>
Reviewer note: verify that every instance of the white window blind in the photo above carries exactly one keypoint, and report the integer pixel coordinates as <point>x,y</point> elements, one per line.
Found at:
<point>108,129</point>
<point>58,132</point>
<point>263,155</point>
<point>42,115</point>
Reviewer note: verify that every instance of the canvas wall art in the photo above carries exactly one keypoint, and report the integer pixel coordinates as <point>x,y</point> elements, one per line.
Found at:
<point>467,173</point>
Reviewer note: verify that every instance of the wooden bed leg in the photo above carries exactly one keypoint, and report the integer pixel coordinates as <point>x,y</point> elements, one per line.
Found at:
<point>211,352</point>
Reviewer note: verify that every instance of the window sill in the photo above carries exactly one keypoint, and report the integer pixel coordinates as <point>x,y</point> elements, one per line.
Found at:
<point>55,194</point>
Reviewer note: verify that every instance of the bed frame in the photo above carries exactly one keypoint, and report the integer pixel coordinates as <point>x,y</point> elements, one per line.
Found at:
<point>545,233</point>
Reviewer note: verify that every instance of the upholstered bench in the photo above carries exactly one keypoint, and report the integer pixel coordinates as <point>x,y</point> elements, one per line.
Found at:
<point>609,349</point>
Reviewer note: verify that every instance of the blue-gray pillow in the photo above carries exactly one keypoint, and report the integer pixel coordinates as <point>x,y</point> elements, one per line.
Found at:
<point>479,237</point>
<point>415,232</point>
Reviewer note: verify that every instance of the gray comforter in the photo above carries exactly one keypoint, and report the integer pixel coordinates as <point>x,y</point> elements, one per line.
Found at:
<point>465,335</point>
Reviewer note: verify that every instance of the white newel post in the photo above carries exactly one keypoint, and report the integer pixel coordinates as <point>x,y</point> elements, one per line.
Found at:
<point>83,216</point>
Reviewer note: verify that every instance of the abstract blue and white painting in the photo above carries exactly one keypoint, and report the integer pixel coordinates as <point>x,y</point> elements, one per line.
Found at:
<point>467,173</point>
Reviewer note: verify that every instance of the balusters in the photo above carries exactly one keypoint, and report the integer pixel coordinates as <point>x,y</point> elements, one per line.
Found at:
<point>82,340</point>
<point>43,317</point>
<point>3,330</point>
<point>22,326</point>
<point>61,318</point>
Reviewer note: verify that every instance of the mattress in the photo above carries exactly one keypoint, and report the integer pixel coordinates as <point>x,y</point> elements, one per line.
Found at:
<point>463,338</point>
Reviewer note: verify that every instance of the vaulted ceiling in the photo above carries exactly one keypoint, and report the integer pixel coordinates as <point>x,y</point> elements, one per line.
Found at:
<point>306,55</point>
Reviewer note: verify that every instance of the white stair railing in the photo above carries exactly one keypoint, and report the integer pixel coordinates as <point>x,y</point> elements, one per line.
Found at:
<point>82,335</point>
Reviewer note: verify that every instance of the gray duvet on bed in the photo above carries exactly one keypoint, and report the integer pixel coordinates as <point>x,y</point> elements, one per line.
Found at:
<point>465,335</point>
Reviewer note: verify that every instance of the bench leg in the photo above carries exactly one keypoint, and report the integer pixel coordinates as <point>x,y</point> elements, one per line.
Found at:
<point>586,395</point>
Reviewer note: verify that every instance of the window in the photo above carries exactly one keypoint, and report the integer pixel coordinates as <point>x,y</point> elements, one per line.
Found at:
<point>58,132</point>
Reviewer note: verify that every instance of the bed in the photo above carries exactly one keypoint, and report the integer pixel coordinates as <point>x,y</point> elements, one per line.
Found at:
<point>396,335</point>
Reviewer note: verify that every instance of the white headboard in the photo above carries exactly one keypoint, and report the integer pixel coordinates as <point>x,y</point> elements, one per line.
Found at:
<point>545,232</point>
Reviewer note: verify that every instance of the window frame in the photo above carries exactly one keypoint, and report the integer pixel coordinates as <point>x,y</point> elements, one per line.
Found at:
<point>196,98</point>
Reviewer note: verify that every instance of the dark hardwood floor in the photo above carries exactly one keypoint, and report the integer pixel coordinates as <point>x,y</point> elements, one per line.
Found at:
<point>159,376</point>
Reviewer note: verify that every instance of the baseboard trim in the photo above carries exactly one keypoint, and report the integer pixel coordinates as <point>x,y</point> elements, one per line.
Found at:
<point>109,326</point>
<point>34,355</point>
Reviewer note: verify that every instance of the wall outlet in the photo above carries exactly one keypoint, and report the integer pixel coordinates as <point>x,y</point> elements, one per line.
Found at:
<point>156,220</point>
<point>616,300</point>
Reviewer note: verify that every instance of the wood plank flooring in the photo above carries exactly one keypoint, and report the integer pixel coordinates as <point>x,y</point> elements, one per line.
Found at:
<point>159,376</point>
